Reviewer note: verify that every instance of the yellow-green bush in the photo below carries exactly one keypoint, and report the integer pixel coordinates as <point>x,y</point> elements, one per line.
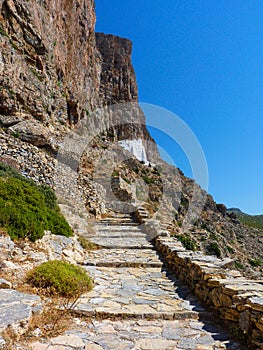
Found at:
<point>60,278</point>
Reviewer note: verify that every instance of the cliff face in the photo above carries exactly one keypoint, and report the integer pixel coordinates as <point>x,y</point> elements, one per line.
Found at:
<point>118,82</point>
<point>53,70</point>
<point>49,65</point>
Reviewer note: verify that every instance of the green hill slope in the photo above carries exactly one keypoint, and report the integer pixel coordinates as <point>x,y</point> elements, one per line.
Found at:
<point>255,221</point>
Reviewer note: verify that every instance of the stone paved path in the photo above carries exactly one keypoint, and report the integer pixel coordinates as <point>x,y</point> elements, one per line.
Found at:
<point>135,304</point>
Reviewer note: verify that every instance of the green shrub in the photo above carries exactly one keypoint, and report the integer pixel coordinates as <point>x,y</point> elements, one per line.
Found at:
<point>115,173</point>
<point>60,278</point>
<point>238,265</point>
<point>126,180</point>
<point>22,209</point>
<point>57,224</point>
<point>26,209</point>
<point>230,249</point>
<point>148,180</point>
<point>255,263</point>
<point>49,195</point>
<point>213,248</point>
<point>184,202</point>
<point>187,242</point>
<point>213,236</point>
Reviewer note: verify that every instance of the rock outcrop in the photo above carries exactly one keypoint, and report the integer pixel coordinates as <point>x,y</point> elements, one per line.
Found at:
<point>118,82</point>
<point>44,47</point>
<point>54,70</point>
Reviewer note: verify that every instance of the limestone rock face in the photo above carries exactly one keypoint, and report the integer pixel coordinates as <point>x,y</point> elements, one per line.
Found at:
<point>54,69</point>
<point>49,65</point>
<point>118,86</point>
<point>118,81</point>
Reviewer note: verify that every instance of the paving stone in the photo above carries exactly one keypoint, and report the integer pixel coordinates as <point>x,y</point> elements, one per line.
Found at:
<point>156,344</point>
<point>146,295</point>
<point>90,346</point>
<point>70,340</point>
<point>140,335</point>
<point>123,258</point>
<point>121,243</point>
<point>16,308</point>
<point>39,346</point>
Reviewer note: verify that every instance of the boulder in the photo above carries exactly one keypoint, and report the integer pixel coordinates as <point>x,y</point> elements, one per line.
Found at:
<point>31,131</point>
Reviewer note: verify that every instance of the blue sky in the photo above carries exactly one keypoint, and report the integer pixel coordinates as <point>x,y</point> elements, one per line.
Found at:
<point>203,60</point>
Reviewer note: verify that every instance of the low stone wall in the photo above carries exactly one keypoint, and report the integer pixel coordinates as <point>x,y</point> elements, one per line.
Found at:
<point>226,291</point>
<point>31,161</point>
<point>237,300</point>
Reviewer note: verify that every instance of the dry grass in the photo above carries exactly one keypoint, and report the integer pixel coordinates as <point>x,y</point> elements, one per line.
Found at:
<point>52,321</point>
<point>10,337</point>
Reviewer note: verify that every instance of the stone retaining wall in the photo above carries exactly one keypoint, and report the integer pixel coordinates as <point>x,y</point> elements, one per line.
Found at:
<point>225,290</point>
<point>31,161</point>
<point>237,300</point>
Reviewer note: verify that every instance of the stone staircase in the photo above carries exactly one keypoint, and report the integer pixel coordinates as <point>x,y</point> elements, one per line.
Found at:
<point>129,276</point>
<point>135,303</point>
<point>132,284</point>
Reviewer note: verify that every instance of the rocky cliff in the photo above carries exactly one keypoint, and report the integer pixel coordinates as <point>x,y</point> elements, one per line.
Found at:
<point>118,81</point>
<point>45,45</point>
<point>53,71</point>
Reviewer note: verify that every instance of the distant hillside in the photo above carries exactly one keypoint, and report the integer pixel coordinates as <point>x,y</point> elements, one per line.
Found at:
<point>255,221</point>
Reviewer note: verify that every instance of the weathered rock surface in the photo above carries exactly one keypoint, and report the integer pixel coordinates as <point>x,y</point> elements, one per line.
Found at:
<point>40,100</point>
<point>21,259</point>
<point>32,132</point>
<point>118,82</point>
<point>38,67</point>
<point>16,309</point>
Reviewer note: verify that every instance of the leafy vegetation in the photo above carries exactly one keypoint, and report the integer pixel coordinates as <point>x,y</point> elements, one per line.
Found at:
<point>86,244</point>
<point>254,221</point>
<point>2,31</point>
<point>238,265</point>
<point>187,242</point>
<point>27,209</point>
<point>126,180</point>
<point>213,248</point>
<point>115,173</point>
<point>230,249</point>
<point>60,278</point>
<point>255,263</point>
<point>148,180</point>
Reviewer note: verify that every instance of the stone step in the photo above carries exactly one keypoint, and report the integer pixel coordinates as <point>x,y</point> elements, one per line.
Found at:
<point>121,223</point>
<point>117,222</point>
<point>123,258</point>
<point>127,234</point>
<point>114,228</point>
<point>121,243</point>
<point>118,217</point>
<point>134,293</point>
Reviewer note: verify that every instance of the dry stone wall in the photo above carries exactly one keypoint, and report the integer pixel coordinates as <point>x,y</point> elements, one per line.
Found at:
<point>236,299</point>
